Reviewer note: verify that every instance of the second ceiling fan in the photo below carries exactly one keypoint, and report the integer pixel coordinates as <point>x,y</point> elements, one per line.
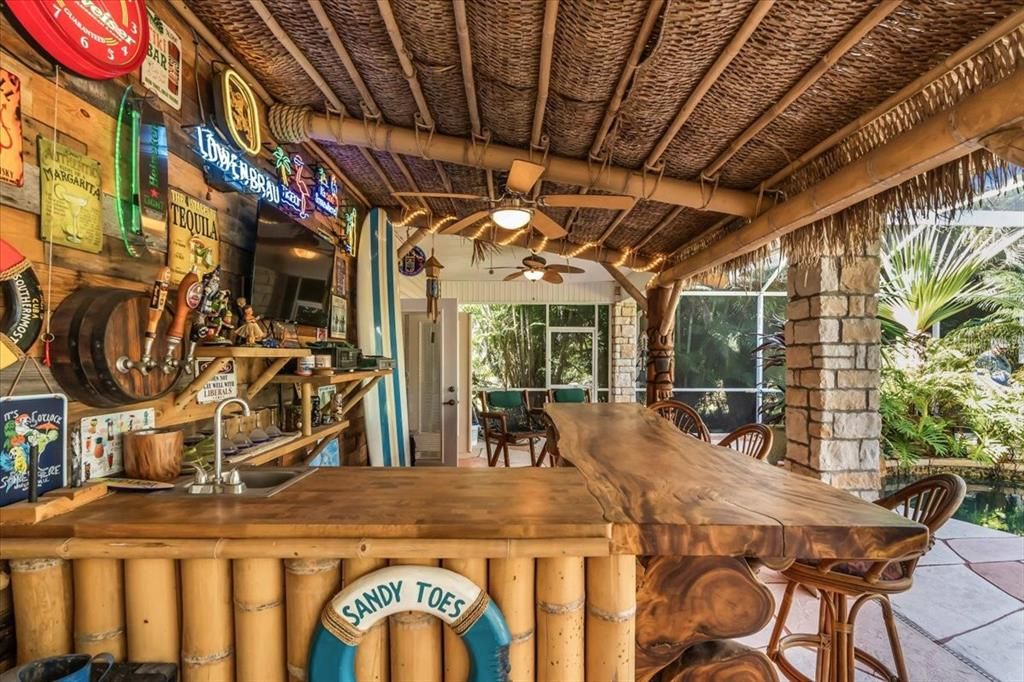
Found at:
<point>515,209</point>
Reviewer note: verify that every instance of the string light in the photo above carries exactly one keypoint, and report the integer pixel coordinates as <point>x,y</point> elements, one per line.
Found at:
<point>479,233</point>
<point>543,244</point>
<point>581,249</point>
<point>407,220</point>
<point>622,257</point>
<point>441,223</point>
<point>511,238</point>
<point>658,260</point>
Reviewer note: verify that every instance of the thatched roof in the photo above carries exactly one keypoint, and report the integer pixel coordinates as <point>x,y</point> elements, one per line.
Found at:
<point>880,48</point>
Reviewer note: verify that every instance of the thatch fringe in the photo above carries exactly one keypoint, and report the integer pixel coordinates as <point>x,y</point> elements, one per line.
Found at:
<point>951,186</point>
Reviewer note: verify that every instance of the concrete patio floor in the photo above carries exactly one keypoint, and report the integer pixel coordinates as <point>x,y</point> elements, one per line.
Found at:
<point>963,620</point>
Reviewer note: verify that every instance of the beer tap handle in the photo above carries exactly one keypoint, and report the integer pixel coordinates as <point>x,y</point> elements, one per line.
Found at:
<point>186,301</point>
<point>157,301</point>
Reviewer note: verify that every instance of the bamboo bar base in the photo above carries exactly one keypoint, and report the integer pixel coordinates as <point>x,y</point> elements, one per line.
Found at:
<point>207,628</point>
<point>259,620</point>
<point>42,607</point>
<point>309,585</point>
<point>560,600</point>
<point>611,617</point>
<point>99,608</point>
<point>510,583</point>
<point>456,658</point>
<point>151,610</point>
<point>415,640</point>
<point>372,658</point>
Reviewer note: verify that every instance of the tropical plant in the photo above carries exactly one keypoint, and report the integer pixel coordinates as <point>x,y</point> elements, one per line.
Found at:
<point>773,354</point>
<point>508,345</point>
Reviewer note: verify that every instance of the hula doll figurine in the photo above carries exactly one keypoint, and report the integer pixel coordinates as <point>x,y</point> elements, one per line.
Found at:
<point>249,332</point>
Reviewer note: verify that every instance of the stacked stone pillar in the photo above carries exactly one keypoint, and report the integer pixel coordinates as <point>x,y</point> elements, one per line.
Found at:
<point>624,337</point>
<point>832,371</point>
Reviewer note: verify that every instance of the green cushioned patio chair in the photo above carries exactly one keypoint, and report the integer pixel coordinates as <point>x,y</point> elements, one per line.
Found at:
<point>569,395</point>
<point>508,419</point>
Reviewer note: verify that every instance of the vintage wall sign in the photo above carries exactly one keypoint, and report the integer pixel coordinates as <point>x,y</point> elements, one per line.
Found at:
<point>161,69</point>
<point>153,163</point>
<point>95,38</point>
<point>412,263</point>
<point>32,423</point>
<point>238,115</point>
<point>23,302</point>
<point>224,383</point>
<point>70,189</point>
<point>192,240</point>
<point>230,167</point>
<point>101,440</point>
<point>12,162</point>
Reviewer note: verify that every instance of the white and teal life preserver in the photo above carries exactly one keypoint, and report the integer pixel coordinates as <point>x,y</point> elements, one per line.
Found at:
<point>453,598</point>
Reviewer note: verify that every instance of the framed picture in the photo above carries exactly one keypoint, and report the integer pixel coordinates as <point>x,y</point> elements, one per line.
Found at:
<point>339,318</point>
<point>340,273</point>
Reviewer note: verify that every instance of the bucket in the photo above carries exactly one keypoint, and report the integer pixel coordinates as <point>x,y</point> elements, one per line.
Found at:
<point>71,668</point>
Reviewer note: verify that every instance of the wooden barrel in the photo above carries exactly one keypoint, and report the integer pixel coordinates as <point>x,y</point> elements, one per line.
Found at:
<point>93,328</point>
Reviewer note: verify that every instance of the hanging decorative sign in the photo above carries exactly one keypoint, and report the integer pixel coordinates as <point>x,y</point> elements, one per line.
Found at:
<point>153,163</point>
<point>340,272</point>
<point>95,38</point>
<point>294,191</point>
<point>412,263</point>
<point>349,219</point>
<point>192,241</point>
<point>12,163</point>
<point>237,113</point>
<point>325,193</point>
<point>129,219</point>
<point>23,305</point>
<point>223,385</point>
<point>339,317</point>
<point>34,426</point>
<point>70,189</point>
<point>161,69</point>
<point>433,268</point>
<point>101,438</point>
<point>230,167</point>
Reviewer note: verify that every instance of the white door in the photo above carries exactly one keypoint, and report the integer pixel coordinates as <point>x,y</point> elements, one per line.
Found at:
<point>432,381</point>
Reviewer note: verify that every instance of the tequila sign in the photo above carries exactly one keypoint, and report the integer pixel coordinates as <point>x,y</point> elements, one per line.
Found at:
<point>192,240</point>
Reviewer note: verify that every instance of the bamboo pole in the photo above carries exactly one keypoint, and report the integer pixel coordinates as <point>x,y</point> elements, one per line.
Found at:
<point>702,236</point>
<point>456,659</point>
<point>630,288</point>
<point>99,607</point>
<point>415,640</point>
<point>259,620</point>
<point>560,599</point>
<point>468,84</point>
<point>369,104</point>
<point>656,230</point>
<point>547,46</point>
<point>309,585</point>
<point>408,69</point>
<point>306,393</point>
<point>944,137</point>
<point>151,610</point>
<point>42,607</point>
<point>207,628</point>
<point>847,43</point>
<point>611,618</point>
<point>510,582</point>
<point>668,320</point>
<point>372,656</point>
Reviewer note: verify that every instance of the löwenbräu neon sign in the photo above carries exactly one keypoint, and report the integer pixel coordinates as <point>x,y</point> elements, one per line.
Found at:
<point>233,168</point>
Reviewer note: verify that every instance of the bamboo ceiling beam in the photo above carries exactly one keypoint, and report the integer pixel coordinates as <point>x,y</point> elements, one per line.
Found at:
<point>848,42</point>
<point>196,24</point>
<point>712,75</point>
<point>369,104</point>
<point>944,137</point>
<point>668,320</point>
<point>408,68</point>
<point>547,47</point>
<point>998,32</point>
<point>662,224</point>
<point>404,170</point>
<point>627,286</point>
<point>296,123</point>
<point>468,83</point>
<point>379,170</point>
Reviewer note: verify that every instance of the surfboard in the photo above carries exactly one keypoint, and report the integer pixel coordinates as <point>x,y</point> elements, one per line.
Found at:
<point>379,326</point>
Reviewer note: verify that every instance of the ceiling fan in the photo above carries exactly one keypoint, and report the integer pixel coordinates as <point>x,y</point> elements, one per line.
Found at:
<point>535,268</point>
<point>515,209</point>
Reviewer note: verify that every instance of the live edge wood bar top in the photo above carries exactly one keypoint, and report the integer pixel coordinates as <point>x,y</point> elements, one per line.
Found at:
<point>666,493</point>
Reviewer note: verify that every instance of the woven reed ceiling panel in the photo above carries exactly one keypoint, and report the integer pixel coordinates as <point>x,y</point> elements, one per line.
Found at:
<point>591,45</point>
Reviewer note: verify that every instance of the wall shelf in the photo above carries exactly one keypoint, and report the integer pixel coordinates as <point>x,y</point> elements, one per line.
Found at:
<point>318,437</point>
<point>339,377</point>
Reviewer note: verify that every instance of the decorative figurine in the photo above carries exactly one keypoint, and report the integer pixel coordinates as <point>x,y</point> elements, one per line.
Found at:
<point>249,332</point>
<point>433,268</point>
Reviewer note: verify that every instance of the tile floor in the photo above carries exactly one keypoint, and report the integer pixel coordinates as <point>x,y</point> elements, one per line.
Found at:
<point>962,621</point>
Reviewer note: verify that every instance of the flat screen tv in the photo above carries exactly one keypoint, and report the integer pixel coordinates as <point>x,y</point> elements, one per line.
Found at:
<point>291,274</point>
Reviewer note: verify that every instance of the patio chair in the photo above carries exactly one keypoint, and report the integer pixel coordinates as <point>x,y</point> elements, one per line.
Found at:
<point>754,440</point>
<point>931,501</point>
<point>569,395</point>
<point>684,417</point>
<point>508,419</point>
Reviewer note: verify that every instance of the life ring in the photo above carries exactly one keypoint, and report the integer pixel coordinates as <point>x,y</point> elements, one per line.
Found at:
<point>453,598</point>
<point>23,303</point>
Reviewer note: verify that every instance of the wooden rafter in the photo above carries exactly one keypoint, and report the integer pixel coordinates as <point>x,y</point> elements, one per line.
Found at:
<point>468,83</point>
<point>942,138</point>
<point>547,46</point>
<point>627,286</point>
<point>410,180</point>
<point>848,42</point>
<point>704,234</point>
<point>656,230</point>
<point>408,69</point>
<point>369,104</point>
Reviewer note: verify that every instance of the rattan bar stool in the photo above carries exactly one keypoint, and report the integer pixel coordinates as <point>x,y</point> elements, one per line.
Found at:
<point>753,440</point>
<point>845,587</point>
<point>684,417</point>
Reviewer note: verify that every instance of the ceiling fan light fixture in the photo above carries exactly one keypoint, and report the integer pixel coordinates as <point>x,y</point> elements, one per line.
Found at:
<point>533,275</point>
<point>511,217</point>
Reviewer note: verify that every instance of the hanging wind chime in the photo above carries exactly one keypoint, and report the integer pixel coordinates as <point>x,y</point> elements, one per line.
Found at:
<point>433,268</point>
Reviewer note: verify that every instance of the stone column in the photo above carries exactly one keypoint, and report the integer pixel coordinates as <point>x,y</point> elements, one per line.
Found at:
<point>623,372</point>
<point>832,371</point>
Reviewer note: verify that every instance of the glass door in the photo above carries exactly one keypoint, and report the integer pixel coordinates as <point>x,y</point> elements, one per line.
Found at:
<point>572,358</point>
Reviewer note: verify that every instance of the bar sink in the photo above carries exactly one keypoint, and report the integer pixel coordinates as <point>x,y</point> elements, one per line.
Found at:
<point>259,481</point>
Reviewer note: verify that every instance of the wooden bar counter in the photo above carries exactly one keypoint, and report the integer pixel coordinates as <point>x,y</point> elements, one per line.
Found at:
<point>638,560</point>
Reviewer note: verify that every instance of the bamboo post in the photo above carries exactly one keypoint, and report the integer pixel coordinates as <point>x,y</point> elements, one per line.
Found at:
<point>611,618</point>
<point>259,620</point>
<point>560,599</point>
<point>510,582</point>
<point>456,659</point>
<point>42,607</point>
<point>151,610</point>
<point>372,660</point>
<point>308,585</point>
<point>207,631</point>
<point>415,640</point>
<point>306,393</point>
<point>99,607</point>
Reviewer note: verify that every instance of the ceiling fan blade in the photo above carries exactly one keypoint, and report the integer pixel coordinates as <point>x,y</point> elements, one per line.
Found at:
<point>459,225</point>
<point>441,195</point>
<point>552,277</point>
<point>548,227</point>
<point>515,275</point>
<point>523,175</point>
<point>613,202</point>
<point>566,269</point>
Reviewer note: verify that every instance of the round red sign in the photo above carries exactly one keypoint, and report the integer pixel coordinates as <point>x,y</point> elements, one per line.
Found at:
<point>95,38</point>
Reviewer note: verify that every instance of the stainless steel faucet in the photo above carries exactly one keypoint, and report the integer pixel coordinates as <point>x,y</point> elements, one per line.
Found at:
<point>234,485</point>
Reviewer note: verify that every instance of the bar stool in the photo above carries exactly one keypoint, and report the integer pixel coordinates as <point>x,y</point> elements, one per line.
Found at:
<point>684,417</point>
<point>753,440</point>
<point>931,501</point>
